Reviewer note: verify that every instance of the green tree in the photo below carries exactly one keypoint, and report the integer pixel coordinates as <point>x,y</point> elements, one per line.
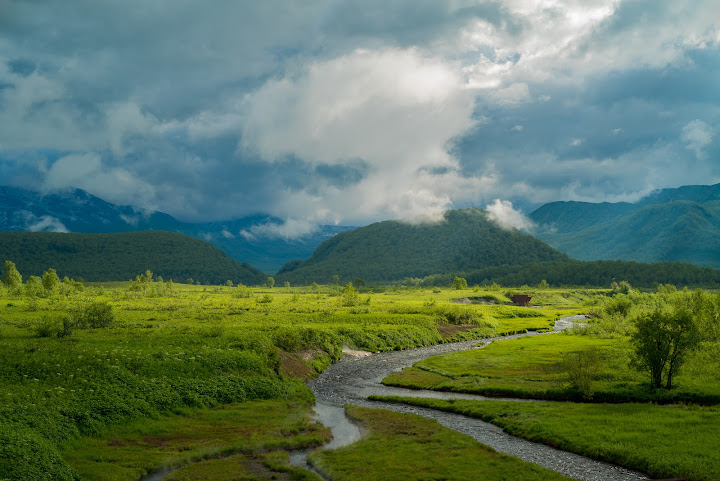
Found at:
<point>336,279</point>
<point>349,295</point>
<point>287,284</point>
<point>359,283</point>
<point>50,281</point>
<point>12,278</point>
<point>663,337</point>
<point>459,283</point>
<point>270,282</point>
<point>34,287</point>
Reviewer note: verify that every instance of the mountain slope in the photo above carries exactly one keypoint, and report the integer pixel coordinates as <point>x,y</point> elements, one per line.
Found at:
<point>78,211</point>
<point>393,250</point>
<point>122,256</point>
<point>679,225</point>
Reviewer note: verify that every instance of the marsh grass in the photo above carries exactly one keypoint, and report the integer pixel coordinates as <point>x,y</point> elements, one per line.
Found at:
<point>535,367</point>
<point>197,347</point>
<point>664,441</point>
<point>410,447</point>
<point>251,428</point>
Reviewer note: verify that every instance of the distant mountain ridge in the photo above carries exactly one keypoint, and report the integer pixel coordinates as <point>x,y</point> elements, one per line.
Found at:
<point>680,225</point>
<point>122,256</point>
<point>392,250</point>
<point>78,211</point>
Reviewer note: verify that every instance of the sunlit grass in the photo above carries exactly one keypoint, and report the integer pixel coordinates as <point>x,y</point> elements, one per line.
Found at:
<point>664,441</point>
<point>410,447</point>
<point>532,367</point>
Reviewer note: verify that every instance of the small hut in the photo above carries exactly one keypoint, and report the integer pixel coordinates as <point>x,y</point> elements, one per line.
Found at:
<point>521,299</point>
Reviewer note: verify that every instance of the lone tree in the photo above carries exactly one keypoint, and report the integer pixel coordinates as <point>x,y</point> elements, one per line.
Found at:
<point>664,337</point>
<point>459,283</point>
<point>270,282</point>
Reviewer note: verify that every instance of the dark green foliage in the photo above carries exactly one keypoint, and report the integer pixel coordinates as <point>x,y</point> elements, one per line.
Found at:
<point>674,225</point>
<point>26,455</point>
<point>393,250</point>
<point>119,257</point>
<point>594,273</point>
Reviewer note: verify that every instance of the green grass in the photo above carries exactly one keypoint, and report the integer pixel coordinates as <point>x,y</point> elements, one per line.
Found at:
<point>532,367</point>
<point>663,441</point>
<point>129,451</point>
<point>241,467</point>
<point>197,347</point>
<point>409,447</point>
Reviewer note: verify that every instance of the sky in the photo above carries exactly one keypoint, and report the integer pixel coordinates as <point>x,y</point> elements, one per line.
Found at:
<point>353,111</point>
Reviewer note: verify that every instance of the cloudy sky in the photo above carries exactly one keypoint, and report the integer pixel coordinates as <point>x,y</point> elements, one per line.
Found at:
<point>351,111</point>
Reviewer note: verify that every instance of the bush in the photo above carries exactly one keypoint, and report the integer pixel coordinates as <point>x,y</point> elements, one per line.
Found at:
<point>94,316</point>
<point>31,456</point>
<point>47,327</point>
<point>581,369</point>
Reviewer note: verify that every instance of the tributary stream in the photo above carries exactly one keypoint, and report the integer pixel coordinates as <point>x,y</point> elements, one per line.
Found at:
<point>352,379</point>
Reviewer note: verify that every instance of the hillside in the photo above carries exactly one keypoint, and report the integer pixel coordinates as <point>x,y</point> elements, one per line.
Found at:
<point>78,211</point>
<point>120,257</point>
<point>392,250</point>
<point>672,225</point>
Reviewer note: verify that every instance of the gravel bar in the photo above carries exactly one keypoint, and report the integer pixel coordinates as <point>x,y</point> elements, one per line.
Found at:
<point>352,379</point>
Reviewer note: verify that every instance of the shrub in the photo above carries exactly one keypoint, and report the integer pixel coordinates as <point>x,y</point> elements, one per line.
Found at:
<point>47,327</point>
<point>265,299</point>
<point>581,369</point>
<point>94,316</point>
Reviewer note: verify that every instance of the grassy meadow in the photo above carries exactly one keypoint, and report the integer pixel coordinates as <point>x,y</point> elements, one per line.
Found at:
<point>81,397</point>
<point>615,415</point>
<point>665,441</point>
<point>534,367</point>
<point>413,448</point>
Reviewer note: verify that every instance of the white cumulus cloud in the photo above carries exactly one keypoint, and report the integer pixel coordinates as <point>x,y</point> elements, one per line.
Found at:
<point>504,213</point>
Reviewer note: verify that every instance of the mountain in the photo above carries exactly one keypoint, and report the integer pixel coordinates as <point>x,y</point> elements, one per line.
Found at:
<point>78,211</point>
<point>387,251</point>
<point>122,256</point>
<point>676,225</point>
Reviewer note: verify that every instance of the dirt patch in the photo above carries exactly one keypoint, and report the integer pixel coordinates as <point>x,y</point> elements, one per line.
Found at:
<point>354,352</point>
<point>449,330</point>
<point>309,355</point>
<point>292,365</point>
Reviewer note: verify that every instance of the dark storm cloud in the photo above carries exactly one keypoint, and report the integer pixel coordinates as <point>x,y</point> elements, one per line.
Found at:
<point>354,110</point>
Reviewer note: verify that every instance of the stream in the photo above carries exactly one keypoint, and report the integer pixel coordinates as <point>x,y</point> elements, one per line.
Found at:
<point>352,379</point>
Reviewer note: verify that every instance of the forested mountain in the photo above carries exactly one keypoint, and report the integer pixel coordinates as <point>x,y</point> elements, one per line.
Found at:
<point>78,211</point>
<point>392,250</point>
<point>122,256</point>
<point>680,224</point>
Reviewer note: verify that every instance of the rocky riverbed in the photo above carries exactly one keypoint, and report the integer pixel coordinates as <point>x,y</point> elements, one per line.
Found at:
<point>354,378</point>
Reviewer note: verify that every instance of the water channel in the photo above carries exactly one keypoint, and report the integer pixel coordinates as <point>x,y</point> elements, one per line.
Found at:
<point>352,379</point>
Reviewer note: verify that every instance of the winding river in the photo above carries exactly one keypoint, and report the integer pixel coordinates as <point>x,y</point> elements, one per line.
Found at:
<point>355,377</point>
